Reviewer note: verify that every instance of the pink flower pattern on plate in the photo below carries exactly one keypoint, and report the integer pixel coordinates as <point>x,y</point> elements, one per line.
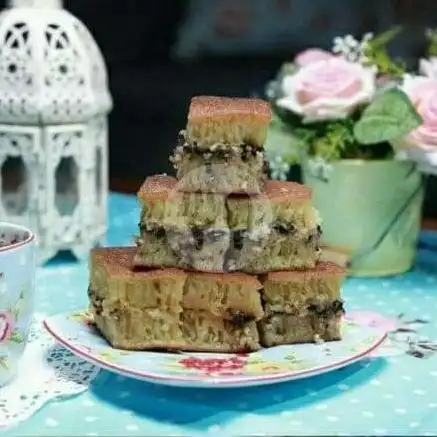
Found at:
<point>7,325</point>
<point>373,320</point>
<point>402,334</point>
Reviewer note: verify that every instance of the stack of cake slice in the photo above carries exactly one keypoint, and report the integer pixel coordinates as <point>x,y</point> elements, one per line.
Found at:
<point>170,308</point>
<point>191,283</point>
<point>275,230</point>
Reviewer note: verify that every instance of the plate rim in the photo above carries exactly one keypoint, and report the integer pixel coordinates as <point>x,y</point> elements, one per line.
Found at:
<point>213,382</point>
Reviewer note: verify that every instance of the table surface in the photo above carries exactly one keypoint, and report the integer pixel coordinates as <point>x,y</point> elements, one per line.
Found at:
<point>393,394</point>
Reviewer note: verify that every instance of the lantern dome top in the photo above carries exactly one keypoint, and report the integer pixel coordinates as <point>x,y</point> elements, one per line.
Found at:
<point>51,69</point>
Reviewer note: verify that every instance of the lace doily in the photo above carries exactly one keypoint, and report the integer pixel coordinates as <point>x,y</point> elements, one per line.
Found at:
<point>46,372</point>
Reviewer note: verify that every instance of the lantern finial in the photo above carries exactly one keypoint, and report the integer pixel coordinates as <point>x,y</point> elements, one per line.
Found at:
<point>42,4</point>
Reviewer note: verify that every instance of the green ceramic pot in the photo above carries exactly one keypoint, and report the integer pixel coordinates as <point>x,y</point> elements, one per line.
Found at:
<point>370,208</point>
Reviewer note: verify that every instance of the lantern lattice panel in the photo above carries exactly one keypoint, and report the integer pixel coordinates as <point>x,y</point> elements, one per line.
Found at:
<point>54,102</point>
<point>50,68</point>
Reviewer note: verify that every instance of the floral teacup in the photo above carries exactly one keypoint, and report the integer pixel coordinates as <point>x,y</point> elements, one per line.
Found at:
<point>17,286</point>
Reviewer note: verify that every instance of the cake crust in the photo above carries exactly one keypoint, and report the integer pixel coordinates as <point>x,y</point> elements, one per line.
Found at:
<point>227,121</point>
<point>321,270</point>
<point>279,191</point>
<point>118,261</point>
<point>159,187</point>
<point>228,110</point>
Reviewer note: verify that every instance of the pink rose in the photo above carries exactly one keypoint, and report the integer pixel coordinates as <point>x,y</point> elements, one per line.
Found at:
<point>420,145</point>
<point>7,324</point>
<point>422,92</point>
<point>328,89</point>
<point>312,55</point>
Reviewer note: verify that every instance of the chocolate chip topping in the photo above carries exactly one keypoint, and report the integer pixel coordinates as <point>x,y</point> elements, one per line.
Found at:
<point>327,310</point>
<point>96,301</point>
<point>238,239</point>
<point>212,236</point>
<point>284,228</point>
<point>239,319</point>
<point>4,241</point>
<point>197,234</point>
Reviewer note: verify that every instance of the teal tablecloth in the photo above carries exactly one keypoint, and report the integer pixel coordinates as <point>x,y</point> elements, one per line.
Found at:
<point>395,394</point>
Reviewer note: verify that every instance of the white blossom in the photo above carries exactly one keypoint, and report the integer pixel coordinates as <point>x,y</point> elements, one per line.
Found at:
<point>352,49</point>
<point>320,168</point>
<point>279,168</point>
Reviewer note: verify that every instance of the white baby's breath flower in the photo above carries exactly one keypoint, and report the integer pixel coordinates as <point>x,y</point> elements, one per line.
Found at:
<point>320,168</point>
<point>352,49</point>
<point>279,168</point>
<point>367,37</point>
<point>351,42</point>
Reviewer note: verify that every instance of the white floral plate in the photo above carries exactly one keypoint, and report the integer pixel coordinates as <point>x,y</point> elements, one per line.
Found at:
<point>76,332</point>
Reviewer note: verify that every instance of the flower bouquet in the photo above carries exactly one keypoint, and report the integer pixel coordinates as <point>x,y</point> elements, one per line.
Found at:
<point>364,130</point>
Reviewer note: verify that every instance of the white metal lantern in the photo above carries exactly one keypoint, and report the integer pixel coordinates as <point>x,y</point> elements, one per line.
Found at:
<point>54,102</point>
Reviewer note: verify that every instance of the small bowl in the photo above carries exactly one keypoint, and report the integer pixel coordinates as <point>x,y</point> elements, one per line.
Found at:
<point>17,291</point>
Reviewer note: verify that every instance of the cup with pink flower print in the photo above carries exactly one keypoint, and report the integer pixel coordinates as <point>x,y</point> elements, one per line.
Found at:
<point>17,287</point>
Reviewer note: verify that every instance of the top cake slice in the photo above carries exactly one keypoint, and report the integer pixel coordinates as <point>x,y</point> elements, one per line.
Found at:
<point>227,121</point>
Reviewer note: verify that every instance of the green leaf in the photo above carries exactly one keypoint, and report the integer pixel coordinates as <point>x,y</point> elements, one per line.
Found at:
<point>16,337</point>
<point>286,69</point>
<point>282,142</point>
<point>431,35</point>
<point>4,364</point>
<point>386,37</point>
<point>292,357</point>
<point>391,115</point>
<point>377,54</point>
<point>16,313</point>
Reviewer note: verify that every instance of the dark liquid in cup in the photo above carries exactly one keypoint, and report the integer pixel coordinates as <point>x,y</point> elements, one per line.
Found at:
<point>9,239</point>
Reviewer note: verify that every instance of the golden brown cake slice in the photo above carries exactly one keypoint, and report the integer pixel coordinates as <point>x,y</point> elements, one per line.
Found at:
<point>282,328</point>
<point>302,306</point>
<point>172,309</point>
<point>181,229</point>
<point>164,205</point>
<point>278,230</point>
<point>228,121</point>
<point>293,291</point>
<point>231,296</point>
<point>113,283</point>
